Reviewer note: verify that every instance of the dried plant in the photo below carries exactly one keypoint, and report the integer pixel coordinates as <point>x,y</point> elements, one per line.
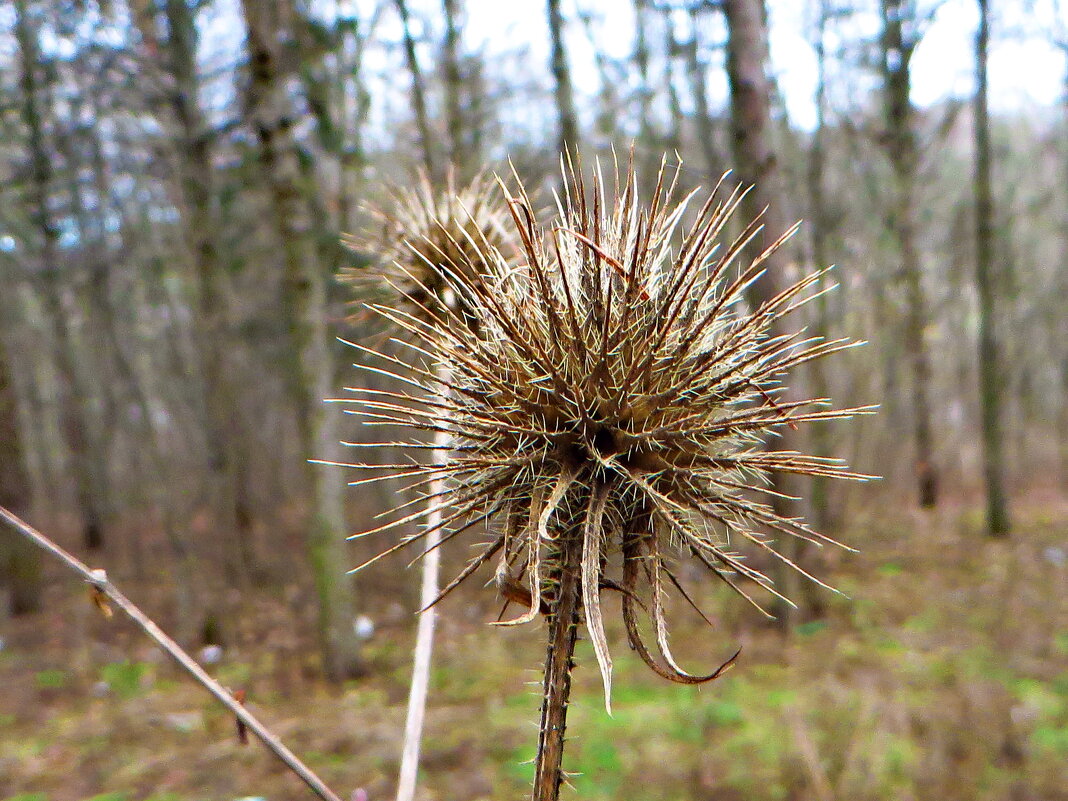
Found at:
<point>607,417</point>
<point>423,233</point>
<point>422,229</point>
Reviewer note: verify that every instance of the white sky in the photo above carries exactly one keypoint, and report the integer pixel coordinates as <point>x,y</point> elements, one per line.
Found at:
<point>1025,68</point>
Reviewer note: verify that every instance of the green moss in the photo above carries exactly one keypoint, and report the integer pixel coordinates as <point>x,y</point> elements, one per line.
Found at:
<point>890,569</point>
<point>127,679</point>
<point>601,769</point>
<point>1040,696</point>
<point>51,679</point>
<point>811,627</point>
<point>1060,642</point>
<point>1052,738</point>
<point>923,623</point>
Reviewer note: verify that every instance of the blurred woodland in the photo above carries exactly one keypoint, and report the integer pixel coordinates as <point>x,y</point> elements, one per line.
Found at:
<point>175,180</point>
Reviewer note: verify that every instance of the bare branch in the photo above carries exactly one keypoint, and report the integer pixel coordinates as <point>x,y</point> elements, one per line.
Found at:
<point>99,581</point>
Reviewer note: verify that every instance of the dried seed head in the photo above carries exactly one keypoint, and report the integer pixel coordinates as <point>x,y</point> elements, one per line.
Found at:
<point>423,235</point>
<point>615,397</point>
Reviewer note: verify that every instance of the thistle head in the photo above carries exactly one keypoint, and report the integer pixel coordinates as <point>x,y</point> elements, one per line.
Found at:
<point>609,415</point>
<point>423,235</point>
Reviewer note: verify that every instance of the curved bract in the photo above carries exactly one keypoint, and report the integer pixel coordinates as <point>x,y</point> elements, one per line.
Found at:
<point>614,398</point>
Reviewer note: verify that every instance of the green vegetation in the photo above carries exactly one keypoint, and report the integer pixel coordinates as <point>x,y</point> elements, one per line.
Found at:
<point>918,686</point>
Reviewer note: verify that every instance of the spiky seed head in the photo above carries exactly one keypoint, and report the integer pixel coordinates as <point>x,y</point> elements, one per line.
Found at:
<point>616,396</point>
<point>423,234</point>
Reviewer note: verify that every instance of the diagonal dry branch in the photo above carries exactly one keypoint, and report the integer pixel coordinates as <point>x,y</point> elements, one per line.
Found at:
<point>99,581</point>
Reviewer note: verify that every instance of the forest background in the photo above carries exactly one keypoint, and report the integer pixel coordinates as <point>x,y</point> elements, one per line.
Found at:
<point>176,178</point>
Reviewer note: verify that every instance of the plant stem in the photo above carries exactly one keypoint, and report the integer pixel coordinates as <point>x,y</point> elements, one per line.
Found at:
<point>559,662</point>
<point>424,640</point>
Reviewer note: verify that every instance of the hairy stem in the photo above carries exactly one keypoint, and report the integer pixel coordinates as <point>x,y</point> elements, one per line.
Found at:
<point>559,662</point>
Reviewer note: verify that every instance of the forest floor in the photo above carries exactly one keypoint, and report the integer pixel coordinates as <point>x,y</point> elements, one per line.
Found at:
<point>943,676</point>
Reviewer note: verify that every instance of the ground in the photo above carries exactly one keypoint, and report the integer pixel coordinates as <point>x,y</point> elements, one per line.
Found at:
<point>943,675</point>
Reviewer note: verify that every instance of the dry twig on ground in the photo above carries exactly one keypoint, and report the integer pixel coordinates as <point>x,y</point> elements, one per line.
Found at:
<point>104,589</point>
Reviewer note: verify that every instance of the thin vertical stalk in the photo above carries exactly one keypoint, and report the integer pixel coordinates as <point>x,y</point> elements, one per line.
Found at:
<point>424,638</point>
<point>559,662</point>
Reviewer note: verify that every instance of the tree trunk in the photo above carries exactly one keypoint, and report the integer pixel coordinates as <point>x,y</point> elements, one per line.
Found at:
<point>673,142</point>
<point>819,227</point>
<point>647,138</point>
<point>453,80</point>
<point>756,162</point>
<point>311,359</point>
<point>20,561</point>
<point>221,409</point>
<point>422,120</point>
<point>1063,428</point>
<point>990,378</point>
<point>563,91</point>
<point>897,50</point>
<point>81,148</point>
<point>706,132</point>
<point>78,426</point>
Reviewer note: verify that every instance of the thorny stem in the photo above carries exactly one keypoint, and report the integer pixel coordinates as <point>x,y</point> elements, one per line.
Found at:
<point>99,581</point>
<point>559,662</point>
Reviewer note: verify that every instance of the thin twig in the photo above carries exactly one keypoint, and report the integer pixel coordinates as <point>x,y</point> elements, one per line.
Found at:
<point>99,581</point>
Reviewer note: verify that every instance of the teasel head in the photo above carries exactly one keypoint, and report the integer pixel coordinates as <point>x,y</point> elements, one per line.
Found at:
<point>422,233</point>
<point>610,416</point>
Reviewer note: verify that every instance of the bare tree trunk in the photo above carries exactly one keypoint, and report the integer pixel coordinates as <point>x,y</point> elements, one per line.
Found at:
<point>355,105</point>
<point>608,111</point>
<point>897,50</point>
<point>33,410</point>
<point>673,142</point>
<point>221,404</point>
<point>1063,430</point>
<point>563,91</point>
<point>454,118</point>
<point>78,425</point>
<point>756,161</point>
<point>647,138</point>
<point>990,378</point>
<point>20,562</point>
<point>80,147</point>
<point>422,121</point>
<point>311,361</point>
<point>149,460</point>
<point>820,231</point>
<point>697,72</point>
